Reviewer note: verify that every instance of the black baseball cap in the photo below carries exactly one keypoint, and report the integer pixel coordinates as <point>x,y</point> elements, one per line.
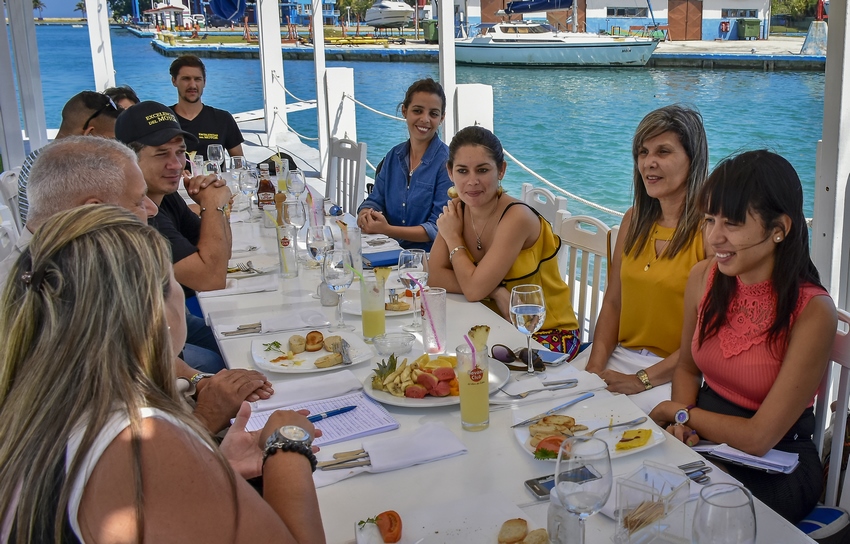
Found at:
<point>149,123</point>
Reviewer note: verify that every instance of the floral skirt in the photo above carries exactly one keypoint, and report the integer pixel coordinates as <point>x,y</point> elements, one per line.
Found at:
<point>561,340</point>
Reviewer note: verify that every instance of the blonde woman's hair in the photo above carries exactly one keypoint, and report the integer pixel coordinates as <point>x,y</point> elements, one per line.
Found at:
<point>83,318</point>
<point>687,124</point>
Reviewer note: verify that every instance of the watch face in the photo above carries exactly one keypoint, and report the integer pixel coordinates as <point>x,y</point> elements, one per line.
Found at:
<point>295,433</point>
<point>682,417</point>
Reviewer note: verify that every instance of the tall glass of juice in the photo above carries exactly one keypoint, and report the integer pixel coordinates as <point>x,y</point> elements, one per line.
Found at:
<point>372,307</point>
<point>474,381</point>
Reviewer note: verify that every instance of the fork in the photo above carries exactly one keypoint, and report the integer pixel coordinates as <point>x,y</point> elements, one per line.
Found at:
<point>526,393</point>
<point>636,421</point>
<point>243,267</point>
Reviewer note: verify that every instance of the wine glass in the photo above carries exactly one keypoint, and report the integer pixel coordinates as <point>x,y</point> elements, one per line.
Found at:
<point>528,312</point>
<point>320,240</point>
<point>338,273</point>
<point>413,265</point>
<point>724,515</point>
<point>215,154</point>
<point>248,183</point>
<point>583,483</point>
<point>294,214</point>
<point>238,165</point>
<point>295,184</point>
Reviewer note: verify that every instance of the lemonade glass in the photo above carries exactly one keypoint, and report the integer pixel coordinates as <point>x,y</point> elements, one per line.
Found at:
<point>474,381</point>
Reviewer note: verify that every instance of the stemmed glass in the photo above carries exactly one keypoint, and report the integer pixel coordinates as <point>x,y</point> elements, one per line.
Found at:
<point>413,265</point>
<point>248,183</point>
<point>295,215</point>
<point>215,154</point>
<point>724,515</point>
<point>238,165</point>
<point>528,312</point>
<point>295,184</point>
<point>338,273</point>
<point>583,482</point>
<point>320,240</point>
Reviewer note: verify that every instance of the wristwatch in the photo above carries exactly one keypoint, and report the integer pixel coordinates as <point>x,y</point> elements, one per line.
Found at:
<point>290,438</point>
<point>198,377</point>
<point>644,379</point>
<point>682,416</point>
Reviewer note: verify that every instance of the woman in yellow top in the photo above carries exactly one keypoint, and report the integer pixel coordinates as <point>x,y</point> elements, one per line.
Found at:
<point>636,342</point>
<point>488,242</point>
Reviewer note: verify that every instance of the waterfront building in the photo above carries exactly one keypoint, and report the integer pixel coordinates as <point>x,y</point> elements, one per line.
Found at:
<point>300,12</point>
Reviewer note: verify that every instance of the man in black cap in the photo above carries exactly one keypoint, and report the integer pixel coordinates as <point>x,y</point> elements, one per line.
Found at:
<point>200,245</point>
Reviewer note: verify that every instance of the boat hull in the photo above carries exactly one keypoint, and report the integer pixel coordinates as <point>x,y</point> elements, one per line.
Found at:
<point>387,18</point>
<point>559,53</point>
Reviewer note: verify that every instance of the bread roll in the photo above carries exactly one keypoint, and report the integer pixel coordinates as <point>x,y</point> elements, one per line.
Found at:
<point>332,343</point>
<point>513,530</point>
<point>315,341</point>
<point>537,536</point>
<point>297,343</point>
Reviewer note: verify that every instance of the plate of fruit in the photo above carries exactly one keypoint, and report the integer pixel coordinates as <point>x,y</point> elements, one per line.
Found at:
<point>427,382</point>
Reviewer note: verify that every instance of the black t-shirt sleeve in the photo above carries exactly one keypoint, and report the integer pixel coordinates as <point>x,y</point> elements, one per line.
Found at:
<point>179,225</point>
<point>233,136</point>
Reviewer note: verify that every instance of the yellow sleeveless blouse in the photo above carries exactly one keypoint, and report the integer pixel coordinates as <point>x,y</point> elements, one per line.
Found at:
<point>653,299</point>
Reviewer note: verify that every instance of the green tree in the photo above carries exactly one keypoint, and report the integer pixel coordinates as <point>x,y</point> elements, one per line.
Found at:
<point>81,7</point>
<point>39,5</point>
<point>794,8</point>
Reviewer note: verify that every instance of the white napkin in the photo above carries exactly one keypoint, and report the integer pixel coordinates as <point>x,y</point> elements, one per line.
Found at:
<point>238,217</point>
<point>288,321</point>
<point>430,442</point>
<point>520,384</point>
<point>325,386</point>
<point>254,284</point>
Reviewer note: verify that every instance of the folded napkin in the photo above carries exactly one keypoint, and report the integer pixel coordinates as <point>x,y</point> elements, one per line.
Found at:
<point>325,386</point>
<point>519,384</point>
<point>253,284</point>
<point>430,442</point>
<point>289,321</point>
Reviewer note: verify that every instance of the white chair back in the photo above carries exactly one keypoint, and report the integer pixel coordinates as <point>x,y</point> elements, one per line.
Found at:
<point>7,241</point>
<point>612,242</point>
<point>542,200</point>
<point>9,194</point>
<point>584,249</point>
<point>346,185</point>
<point>841,357</point>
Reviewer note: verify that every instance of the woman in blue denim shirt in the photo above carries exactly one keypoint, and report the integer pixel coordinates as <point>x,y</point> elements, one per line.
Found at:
<point>411,188</point>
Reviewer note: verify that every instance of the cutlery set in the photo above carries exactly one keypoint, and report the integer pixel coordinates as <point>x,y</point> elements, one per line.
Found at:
<point>346,459</point>
<point>696,471</point>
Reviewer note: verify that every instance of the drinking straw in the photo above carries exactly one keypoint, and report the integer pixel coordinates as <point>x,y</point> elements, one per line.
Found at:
<point>428,312</point>
<point>359,275</point>
<point>472,348</point>
<point>282,258</point>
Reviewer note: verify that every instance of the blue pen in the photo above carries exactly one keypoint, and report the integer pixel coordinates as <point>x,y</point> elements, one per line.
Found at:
<point>324,415</point>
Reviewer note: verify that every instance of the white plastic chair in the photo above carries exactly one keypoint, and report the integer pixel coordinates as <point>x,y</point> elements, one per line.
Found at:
<point>584,248</point>
<point>9,194</point>
<point>542,200</point>
<point>346,185</point>
<point>7,240</point>
<point>612,242</point>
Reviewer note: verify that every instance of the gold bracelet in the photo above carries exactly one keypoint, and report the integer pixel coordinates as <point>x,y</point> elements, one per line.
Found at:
<point>644,379</point>
<point>455,250</point>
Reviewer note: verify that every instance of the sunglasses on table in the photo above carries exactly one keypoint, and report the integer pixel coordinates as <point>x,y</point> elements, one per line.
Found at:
<point>109,104</point>
<point>516,360</point>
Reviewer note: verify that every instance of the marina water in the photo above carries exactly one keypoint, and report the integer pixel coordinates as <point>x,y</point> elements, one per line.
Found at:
<point>571,126</point>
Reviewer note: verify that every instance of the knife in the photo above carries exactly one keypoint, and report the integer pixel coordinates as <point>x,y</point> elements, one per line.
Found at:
<point>344,349</point>
<point>554,410</point>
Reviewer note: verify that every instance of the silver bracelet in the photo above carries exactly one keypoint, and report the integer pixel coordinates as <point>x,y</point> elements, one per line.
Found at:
<point>455,250</point>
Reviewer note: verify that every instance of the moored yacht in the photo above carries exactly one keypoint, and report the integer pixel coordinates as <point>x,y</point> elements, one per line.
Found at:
<point>389,14</point>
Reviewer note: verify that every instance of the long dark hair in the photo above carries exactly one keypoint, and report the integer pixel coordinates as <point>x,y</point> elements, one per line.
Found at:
<point>767,186</point>
<point>686,123</point>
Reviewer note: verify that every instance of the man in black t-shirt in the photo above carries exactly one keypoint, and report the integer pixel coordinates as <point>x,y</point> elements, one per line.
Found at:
<point>209,125</point>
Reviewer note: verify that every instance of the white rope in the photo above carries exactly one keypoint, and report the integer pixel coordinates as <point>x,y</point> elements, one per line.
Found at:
<point>292,130</point>
<point>373,110</point>
<point>564,191</point>
<point>372,166</point>
<point>277,80</point>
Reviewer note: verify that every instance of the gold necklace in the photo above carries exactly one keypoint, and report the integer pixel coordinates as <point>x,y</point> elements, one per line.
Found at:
<point>657,253</point>
<point>478,236</point>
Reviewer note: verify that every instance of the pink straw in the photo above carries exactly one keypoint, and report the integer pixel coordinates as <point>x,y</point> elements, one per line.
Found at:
<point>472,348</point>
<point>427,311</point>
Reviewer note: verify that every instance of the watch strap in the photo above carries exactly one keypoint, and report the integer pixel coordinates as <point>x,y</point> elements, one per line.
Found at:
<point>644,379</point>
<point>288,445</point>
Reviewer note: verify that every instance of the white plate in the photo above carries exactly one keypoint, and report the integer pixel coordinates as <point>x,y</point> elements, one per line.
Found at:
<point>471,519</point>
<point>498,376</point>
<point>263,262</point>
<point>594,412</point>
<point>360,353</point>
<point>353,306</point>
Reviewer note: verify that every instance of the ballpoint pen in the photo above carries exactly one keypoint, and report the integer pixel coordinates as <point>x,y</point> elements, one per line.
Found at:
<point>330,413</point>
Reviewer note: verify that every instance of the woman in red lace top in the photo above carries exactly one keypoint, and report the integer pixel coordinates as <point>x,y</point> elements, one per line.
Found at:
<point>757,331</point>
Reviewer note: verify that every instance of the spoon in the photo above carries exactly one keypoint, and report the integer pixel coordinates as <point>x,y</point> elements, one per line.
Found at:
<point>637,421</point>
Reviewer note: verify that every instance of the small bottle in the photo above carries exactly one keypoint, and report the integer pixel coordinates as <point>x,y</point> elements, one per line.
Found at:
<point>265,197</point>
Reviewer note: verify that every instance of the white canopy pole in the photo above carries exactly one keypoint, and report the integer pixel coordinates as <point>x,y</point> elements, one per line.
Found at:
<point>271,61</point>
<point>448,76</point>
<point>29,76</point>
<point>321,94</point>
<point>101,45</point>
<point>11,139</point>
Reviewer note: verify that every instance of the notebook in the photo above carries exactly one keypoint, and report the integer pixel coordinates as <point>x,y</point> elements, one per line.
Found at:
<point>368,418</point>
<point>774,461</point>
<point>382,258</point>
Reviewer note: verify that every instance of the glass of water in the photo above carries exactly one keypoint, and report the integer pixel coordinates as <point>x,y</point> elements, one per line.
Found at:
<point>215,154</point>
<point>413,268</point>
<point>724,515</point>
<point>320,240</point>
<point>583,482</point>
<point>295,183</point>
<point>338,273</point>
<point>248,184</point>
<point>528,312</point>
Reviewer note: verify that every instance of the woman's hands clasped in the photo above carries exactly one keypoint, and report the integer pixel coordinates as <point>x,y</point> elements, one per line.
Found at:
<point>664,414</point>
<point>450,222</point>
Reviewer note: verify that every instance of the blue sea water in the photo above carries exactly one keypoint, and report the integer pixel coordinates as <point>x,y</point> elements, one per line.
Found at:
<point>572,126</point>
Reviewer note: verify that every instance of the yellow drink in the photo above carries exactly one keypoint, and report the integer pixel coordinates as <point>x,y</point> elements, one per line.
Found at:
<point>374,323</point>
<point>474,385</point>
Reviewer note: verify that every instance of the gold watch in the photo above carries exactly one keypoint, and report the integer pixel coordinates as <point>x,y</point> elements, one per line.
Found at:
<point>644,379</point>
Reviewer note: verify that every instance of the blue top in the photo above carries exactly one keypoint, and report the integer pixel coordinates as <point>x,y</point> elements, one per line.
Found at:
<point>418,202</point>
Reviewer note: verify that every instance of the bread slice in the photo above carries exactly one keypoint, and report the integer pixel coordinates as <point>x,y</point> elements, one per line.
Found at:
<point>399,306</point>
<point>513,531</point>
<point>537,536</point>
<point>328,361</point>
<point>564,421</point>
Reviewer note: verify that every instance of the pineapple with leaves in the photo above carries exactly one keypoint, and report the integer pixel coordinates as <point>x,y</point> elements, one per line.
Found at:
<point>384,369</point>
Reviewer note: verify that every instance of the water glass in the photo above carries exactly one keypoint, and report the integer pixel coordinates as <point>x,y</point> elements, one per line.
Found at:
<point>724,515</point>
<point>287,251</point>
<point>248,183</point>
<point>528,312</point>
<point>215,154</point>
<point>474,382</point>
<point>372,307</point>
<point>338,273</point>
<point>320,240</point>
<point>434,320</point>
<point>295,183</point>
<point>413,273</point>
<point>583,482</point>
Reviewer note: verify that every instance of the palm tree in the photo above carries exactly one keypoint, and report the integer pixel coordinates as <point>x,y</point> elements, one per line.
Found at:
<point>81,7</point>
<point>39,5</point>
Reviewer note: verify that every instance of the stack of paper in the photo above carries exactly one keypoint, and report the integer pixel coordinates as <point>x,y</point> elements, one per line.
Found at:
<point>772,461</point>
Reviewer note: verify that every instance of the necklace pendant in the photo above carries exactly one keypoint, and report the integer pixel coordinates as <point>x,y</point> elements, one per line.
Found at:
<point>645,268</point>
<point>479,244</point>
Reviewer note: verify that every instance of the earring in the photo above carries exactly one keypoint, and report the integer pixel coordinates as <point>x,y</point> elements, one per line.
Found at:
<point>779,238</point>
<point>501,191</point>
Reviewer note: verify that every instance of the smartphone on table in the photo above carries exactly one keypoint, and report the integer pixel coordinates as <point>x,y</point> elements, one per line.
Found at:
<point>541,487</point>
<point>551,358</point>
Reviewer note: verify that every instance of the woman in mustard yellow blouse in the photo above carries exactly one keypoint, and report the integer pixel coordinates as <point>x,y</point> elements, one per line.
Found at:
<point>637,337</point>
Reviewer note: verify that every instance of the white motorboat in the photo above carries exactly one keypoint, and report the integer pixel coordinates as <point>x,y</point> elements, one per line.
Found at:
<point>389,14</point>
<point>524,43</point>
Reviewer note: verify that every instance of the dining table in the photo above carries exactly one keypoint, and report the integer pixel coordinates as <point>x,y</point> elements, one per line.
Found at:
<point>477,484</point>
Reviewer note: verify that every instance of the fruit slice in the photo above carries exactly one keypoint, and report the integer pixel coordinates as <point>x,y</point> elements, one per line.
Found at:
<point>383,273</point>
<point>415,391</point>
<point>479,335</point>
<point>444,374</point>
<point>384,369</point>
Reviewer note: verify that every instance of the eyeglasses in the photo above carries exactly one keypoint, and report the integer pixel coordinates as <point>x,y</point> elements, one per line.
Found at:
<point>506,355</point>
<point>109,103</point>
